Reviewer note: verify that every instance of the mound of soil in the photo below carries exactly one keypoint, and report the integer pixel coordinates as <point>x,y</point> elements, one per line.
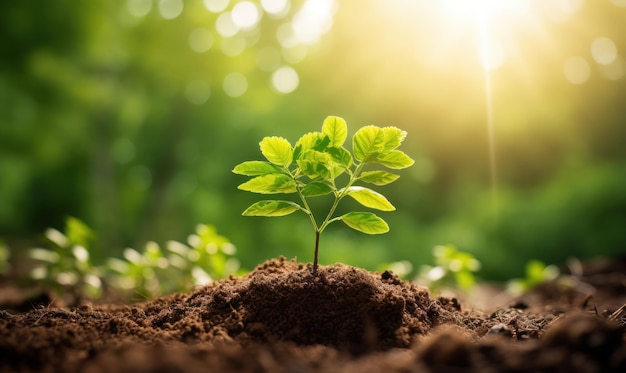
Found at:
<point>283,318</point>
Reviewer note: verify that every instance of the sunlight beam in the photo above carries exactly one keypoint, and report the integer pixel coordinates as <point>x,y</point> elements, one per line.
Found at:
<point>488,65</point>
<point>488,18</point>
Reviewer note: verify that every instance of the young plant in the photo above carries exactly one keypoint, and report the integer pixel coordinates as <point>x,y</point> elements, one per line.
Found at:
<point>206,257</point>
<point>65,267</point>
<point>537,272</point>
<point>453,268</point>
<point>312,166</point>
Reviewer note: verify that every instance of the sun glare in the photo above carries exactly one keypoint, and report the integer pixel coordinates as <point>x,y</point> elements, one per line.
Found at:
<point>464,9</point>
<point>501,66</point>
<point>488,21</point>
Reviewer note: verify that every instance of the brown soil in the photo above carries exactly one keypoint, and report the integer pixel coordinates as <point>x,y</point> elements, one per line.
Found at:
<point>282,318</point>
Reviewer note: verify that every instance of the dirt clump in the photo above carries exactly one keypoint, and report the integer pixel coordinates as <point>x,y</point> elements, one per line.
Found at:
<point>344,307</point>
<point>282,317</point>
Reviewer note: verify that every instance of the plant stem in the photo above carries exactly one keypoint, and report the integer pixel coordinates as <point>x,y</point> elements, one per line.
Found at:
<point>318,230</point>
<point>338,197</point>
<point>308,211</point>
<point>317,245</point>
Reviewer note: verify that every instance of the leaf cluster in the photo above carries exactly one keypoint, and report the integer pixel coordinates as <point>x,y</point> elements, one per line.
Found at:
<point>536,272</point>
<point>65,268</point>
<point>453,268</point>
<point>311,167</point>
<point>205,257</point>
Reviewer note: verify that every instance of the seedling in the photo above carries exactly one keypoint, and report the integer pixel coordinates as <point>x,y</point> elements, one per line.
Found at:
<point>207,256</point>
<point>453,268</point>
<point>65,267</point>
<point>311,168</point>
<point>537,272</point>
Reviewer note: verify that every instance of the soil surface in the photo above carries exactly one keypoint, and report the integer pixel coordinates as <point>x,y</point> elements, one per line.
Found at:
<point>282,318</point>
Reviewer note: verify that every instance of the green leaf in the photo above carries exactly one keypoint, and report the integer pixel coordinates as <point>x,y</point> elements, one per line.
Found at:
<point>277,150</point>
<point>77,232</point>
<point>336,129</point>
<point>257,168</point>
<point>270,184</point>
<point>378,177</point>
<point>44,255</point>
<point>340,155</point>
<point>322,144</point>
<point>369,198</point>
<point>367,143</point>
<point>314,170</point>
<point>271,208</point>
<point>395,159</point>
<point>317,188</point>
<point>392,138</point>
<point>365,222</point>
<point>465,279</point>
<point>310,141</point>
<point>314,164</point>
<point>336,170</point>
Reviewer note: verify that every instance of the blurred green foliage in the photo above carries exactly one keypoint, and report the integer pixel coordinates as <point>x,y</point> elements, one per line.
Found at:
<point>5,254</point>
<point>207,256</point>
<point>64,267</point>
<point>130,114</point>
<point>536,272</point>
<point>453,269</point>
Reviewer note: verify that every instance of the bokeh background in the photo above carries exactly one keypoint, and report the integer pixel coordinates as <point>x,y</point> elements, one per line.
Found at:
<point>130,115</point>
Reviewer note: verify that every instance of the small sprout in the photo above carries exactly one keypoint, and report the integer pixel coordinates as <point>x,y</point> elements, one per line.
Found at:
<point>537,273</point>
<point>452,268</point>
<point>311,167</point>
<point>205,258</point>
<point>65,267</point>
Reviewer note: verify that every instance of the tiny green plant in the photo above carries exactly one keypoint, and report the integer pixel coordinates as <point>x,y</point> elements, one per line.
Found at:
<point>206,257</point>
<point>537,272</point>
<point>453,267</point>
<point>312,167</point>
<point>65,267</point>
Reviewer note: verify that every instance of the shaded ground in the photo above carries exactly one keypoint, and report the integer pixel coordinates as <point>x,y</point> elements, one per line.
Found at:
<point>282,318</point>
